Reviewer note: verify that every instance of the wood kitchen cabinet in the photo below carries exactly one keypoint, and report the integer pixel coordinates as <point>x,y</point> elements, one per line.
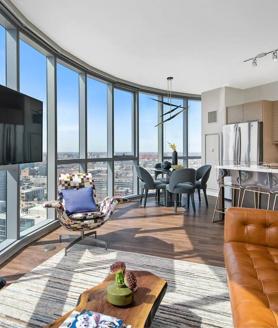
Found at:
<point>275,122</point>
<point>252,111</point>
<point>262,111</point>
<point>235,114</point>
<point>270,149</point>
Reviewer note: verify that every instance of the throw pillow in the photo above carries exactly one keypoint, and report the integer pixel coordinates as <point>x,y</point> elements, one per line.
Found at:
<point>79,200</point>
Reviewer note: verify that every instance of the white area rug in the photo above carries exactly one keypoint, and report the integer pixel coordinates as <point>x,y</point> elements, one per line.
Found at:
<point>197,294</point>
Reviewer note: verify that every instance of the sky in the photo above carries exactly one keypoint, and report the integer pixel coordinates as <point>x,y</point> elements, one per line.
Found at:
<point>97,94</point>
<point>33,83</point>
<point>67,110</point>
<point>147,120</point>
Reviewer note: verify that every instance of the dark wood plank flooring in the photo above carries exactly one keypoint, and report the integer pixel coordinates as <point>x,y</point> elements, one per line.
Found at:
<point>154,230</point>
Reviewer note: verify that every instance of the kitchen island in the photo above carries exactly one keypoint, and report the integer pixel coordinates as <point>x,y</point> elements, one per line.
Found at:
<point>263,176</point>
<point>250,168</point>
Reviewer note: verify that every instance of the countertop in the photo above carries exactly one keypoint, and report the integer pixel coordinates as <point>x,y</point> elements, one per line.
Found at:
<point>252,168</point>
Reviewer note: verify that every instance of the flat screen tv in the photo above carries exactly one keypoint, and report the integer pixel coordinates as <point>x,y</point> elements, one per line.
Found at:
<point>21,119</point>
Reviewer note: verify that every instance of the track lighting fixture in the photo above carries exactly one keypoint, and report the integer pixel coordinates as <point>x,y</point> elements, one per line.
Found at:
<point>275,56</point>
<point>254,60</point>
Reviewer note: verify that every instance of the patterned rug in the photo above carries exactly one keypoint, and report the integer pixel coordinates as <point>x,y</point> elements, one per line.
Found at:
<point>197,294</point>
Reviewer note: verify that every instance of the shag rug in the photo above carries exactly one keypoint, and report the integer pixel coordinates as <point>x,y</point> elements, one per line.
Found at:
<point>197,294</point>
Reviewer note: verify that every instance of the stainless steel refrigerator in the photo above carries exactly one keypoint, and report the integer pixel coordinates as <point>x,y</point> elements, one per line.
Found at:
<point>242,144</point>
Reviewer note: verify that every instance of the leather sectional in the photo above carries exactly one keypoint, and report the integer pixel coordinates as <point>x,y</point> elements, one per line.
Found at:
<point>251,259</point>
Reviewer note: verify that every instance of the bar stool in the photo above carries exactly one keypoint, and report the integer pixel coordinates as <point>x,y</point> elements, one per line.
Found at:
<point>274,190</point>
<point>275,200</point>
<point>235,187</point>
<point>258,188</point>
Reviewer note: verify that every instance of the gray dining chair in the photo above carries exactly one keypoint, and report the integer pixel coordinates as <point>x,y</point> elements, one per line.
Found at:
<point>183,182</point>
<point>157,168</point>
<point>149,184</point>
<point>202,176</point>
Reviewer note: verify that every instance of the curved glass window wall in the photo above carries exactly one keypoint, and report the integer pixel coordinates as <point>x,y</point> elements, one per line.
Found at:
<point>90,125</point>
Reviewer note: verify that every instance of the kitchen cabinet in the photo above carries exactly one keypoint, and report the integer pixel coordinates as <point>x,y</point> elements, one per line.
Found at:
<point>235,114</point>
<point>252,111</point>
<point>262,111</point>
<point>275,122</point>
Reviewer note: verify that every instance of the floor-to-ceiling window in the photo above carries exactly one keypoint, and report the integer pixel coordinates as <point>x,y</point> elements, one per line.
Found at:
<point>3,176</point>
<point>2,55</point>
<point>173,130</point>
<point>33,177</point>
<point>97,112</point>
<point>194,133</point>
<point>3,205</point>
<point>124,146</point>
<point>99,171</point>
<point>124,178</point>
<point>107,133</point>
<point>148,131</point>
<point>123,122</point>
<point>67,113</point>
<point>68,124</point>
<point>97,134</point>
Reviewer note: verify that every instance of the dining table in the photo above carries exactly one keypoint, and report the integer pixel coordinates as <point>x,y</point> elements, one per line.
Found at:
<point>167,172</point>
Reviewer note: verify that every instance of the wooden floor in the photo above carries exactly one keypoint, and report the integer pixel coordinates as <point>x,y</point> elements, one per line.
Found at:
<point>154,230</point>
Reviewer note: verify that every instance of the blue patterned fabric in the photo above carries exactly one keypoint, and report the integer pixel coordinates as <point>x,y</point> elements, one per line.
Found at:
<point>79,200</point>
<point>90,319</point>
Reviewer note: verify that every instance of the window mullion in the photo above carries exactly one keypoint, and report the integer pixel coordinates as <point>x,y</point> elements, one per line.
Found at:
<point>51,132</point>
<point>13,176</point>
<point>136,140</point>
<point>83,118</point>
<point>185,132</point>
<point>160,130</point>
<point>110,139</point>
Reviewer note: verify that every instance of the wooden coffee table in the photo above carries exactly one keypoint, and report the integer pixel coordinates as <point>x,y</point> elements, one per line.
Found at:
<point>139,314</point>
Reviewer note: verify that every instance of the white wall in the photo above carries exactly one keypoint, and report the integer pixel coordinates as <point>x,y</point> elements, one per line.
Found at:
<point>234,96</point>
<point>213,100</point>
<point>263,92</point>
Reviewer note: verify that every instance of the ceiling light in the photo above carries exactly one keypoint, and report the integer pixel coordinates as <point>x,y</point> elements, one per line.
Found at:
<point>172,108</point>
<point>275,56</point>
<point>260,55</point>
<point>254,60</point>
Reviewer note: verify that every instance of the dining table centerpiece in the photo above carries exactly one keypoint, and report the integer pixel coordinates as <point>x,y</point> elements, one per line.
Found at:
<point>120,292</point>
<point>173,146</point>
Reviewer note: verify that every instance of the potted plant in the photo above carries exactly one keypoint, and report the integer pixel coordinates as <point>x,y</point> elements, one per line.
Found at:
<point>120,292</point>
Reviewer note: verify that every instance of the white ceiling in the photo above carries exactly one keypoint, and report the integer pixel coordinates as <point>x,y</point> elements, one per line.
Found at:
<point>202,43</point>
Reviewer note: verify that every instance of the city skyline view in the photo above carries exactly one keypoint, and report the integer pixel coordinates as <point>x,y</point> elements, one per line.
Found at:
<point>119,152</point>
<point>33,176</point>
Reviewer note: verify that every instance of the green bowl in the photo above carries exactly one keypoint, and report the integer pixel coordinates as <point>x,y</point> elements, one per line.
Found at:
<point>119,296</point>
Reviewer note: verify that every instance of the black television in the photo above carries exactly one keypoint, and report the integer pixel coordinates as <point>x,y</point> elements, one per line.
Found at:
<point>21,119</point>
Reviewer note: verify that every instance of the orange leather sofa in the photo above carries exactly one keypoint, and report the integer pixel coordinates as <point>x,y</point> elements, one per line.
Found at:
<point>251,259</point>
